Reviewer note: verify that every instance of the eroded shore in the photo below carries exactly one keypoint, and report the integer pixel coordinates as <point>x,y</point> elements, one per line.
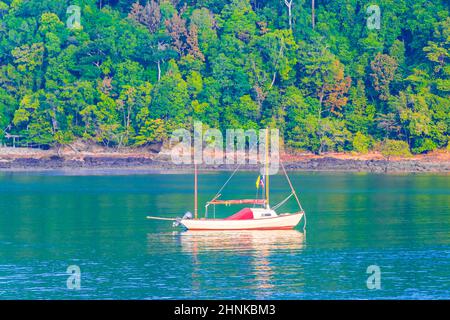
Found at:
<point>15,159</point>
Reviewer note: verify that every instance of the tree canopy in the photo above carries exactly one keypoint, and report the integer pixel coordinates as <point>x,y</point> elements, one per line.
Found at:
<point>132,71</point>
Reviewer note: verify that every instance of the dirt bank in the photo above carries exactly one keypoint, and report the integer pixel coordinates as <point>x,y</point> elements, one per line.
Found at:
<point>132,159</point>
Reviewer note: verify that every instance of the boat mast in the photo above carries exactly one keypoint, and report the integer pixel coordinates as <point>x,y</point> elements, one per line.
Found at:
<point>267,167</point>
<point>195,192</point>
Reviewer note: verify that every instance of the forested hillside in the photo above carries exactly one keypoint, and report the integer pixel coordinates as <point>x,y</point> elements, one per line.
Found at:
<point>130,72</point>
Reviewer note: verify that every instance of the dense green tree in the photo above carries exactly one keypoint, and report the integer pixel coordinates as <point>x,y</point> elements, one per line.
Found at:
<point>170,96</point>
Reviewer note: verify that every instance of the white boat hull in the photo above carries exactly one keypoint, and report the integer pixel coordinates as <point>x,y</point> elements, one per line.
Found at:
<point>281,222</point>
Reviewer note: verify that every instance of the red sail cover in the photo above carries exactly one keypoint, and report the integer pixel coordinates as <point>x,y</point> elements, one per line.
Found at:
<point>244,214</point>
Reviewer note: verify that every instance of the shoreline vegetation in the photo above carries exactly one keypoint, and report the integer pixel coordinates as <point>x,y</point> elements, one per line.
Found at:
<point>127,74</point>
<point>144,159</point>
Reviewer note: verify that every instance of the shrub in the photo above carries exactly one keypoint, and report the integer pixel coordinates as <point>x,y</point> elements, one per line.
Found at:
<point>361,143</point>
<point>424,145</point>
<point>395,148</point>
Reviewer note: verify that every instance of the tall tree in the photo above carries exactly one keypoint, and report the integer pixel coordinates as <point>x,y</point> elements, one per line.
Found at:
<point>176,26</point>
<point>383,72</point>
<point>288,4</point>
<point>149,15</point>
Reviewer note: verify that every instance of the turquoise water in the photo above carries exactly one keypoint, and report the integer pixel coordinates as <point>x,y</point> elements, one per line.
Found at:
<point>49,221</point>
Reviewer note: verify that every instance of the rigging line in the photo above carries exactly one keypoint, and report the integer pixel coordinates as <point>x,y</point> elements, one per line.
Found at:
<point>256,197</point>
<point>282,202</point>
<point>296,198</point>
<point>218,192</point>
<point>290,184</point>
<point>304,222</point>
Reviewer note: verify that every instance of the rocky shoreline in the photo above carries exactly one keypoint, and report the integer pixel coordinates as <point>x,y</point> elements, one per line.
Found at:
<point>157,165</point>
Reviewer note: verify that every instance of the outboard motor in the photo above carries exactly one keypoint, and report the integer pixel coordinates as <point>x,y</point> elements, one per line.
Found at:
<point>187,215</point>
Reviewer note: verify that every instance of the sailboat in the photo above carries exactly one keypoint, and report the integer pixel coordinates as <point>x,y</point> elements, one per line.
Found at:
<point>259,217</point>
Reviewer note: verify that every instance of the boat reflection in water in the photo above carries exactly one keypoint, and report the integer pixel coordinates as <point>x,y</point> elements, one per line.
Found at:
<point>256,245</point>
<point>259,241</point>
